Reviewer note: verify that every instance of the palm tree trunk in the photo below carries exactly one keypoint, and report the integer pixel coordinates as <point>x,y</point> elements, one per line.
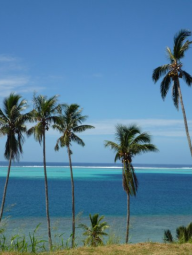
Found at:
<point>46,194</point>
<point>184,116</point>
<point>73,199</point>
<point>5,187</point>
<point>128,217</point>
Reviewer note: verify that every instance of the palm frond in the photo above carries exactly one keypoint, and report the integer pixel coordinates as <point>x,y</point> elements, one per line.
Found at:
<point>175,95</point>
<point>58,127</point>
<point>82,128</point>
<point>165,85</point>
<point>159,71</point>
<point>170,54</point>
<point>77,139</point>
<point>187,77</point>
<point>12,124</point>
<point>183,48</point>
<point>178,41</point>
<point>112,145</point>
<point>142,138</point>
<point>143,148</point>
<point>37,131</point>
<point>57,145</point>
<point>117,157</point>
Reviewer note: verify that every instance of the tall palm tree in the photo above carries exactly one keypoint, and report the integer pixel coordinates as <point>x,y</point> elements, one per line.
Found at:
<point>95,231</point>
<point>12,124</point>
<point>71,123</point>
<point>131,142</point>
<point>173,71</point>
<point>44,113</point>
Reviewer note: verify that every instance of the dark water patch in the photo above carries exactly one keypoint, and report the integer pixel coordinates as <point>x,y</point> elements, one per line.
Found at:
<point>158,194</point>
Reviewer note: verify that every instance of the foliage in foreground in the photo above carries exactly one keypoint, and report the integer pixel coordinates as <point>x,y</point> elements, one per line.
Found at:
<point>183,234</point>
<point>95,232</point>
<point>35,243</point>
<point>31,243</point>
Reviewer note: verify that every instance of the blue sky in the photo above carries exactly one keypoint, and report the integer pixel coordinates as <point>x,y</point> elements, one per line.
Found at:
<point>99,54</point>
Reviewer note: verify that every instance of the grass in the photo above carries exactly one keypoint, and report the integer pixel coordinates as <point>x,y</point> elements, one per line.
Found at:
<point>131,249</point>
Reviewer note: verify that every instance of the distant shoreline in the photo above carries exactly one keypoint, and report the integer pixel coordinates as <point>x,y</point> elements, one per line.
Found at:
<point>84,164</point>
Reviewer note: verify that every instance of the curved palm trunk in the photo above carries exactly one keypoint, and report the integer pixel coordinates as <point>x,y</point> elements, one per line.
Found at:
<point>184,116</point>
<point>5,187</point>
<point>73,199</point>
<point>128,217</point>
<point>46,194</point>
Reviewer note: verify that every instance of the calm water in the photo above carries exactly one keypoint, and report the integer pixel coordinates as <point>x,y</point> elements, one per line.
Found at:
<point>163,200</point>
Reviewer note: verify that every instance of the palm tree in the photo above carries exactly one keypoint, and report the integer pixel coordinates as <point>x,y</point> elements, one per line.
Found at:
<point>131,142</point>
<point>44,113</point>
<point>71,123</point>
<point>173,71</point>
<point>12,124</point>
<point>95,231</point>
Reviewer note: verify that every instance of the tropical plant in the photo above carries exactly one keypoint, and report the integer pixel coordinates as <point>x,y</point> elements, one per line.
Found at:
<point>95,231</point>
<point>131,142</point>
<point>183,234</point>
<point>44,113</point>
<point>12,125</point>
<point>173,71</point>
<point>168,236</point>
<point>71,123</point>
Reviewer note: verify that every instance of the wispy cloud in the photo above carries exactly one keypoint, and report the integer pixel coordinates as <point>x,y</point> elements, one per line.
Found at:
<point>156,127</point>
<point>5,59</point>
<point>19,84</point>
<point>14,77</point>
<point>14,81</point>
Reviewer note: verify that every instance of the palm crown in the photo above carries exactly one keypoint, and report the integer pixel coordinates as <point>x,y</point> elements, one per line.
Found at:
<point>95,231</point>
<point>44,112</point>
<point>70,123</point>
<point>131,142</point>
<point>12,124</point>
<point>173,71</point>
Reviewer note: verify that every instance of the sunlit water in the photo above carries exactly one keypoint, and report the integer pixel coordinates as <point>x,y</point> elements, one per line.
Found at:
<point>163,200</point>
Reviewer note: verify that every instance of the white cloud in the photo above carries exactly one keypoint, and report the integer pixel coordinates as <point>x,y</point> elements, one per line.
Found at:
<point>14,77</point>
<point>4,58</point>
<point>156,127</point>
<point>19,84</point>
<point>14,81</point>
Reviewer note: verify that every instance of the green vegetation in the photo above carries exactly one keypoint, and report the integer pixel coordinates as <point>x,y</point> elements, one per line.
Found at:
<point>44,113</point>
<point>183,235</point>
<point>131,142</point>
<point>69,124</point>
<point>30,243</point>
<point>95,231</point>
<point>173,72</point>
<point>12,124</point>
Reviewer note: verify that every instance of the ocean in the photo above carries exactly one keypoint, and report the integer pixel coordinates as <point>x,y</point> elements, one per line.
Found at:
<point>163,200</point>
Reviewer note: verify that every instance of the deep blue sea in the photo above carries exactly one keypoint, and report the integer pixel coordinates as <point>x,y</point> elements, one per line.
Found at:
<point>164,198</point>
